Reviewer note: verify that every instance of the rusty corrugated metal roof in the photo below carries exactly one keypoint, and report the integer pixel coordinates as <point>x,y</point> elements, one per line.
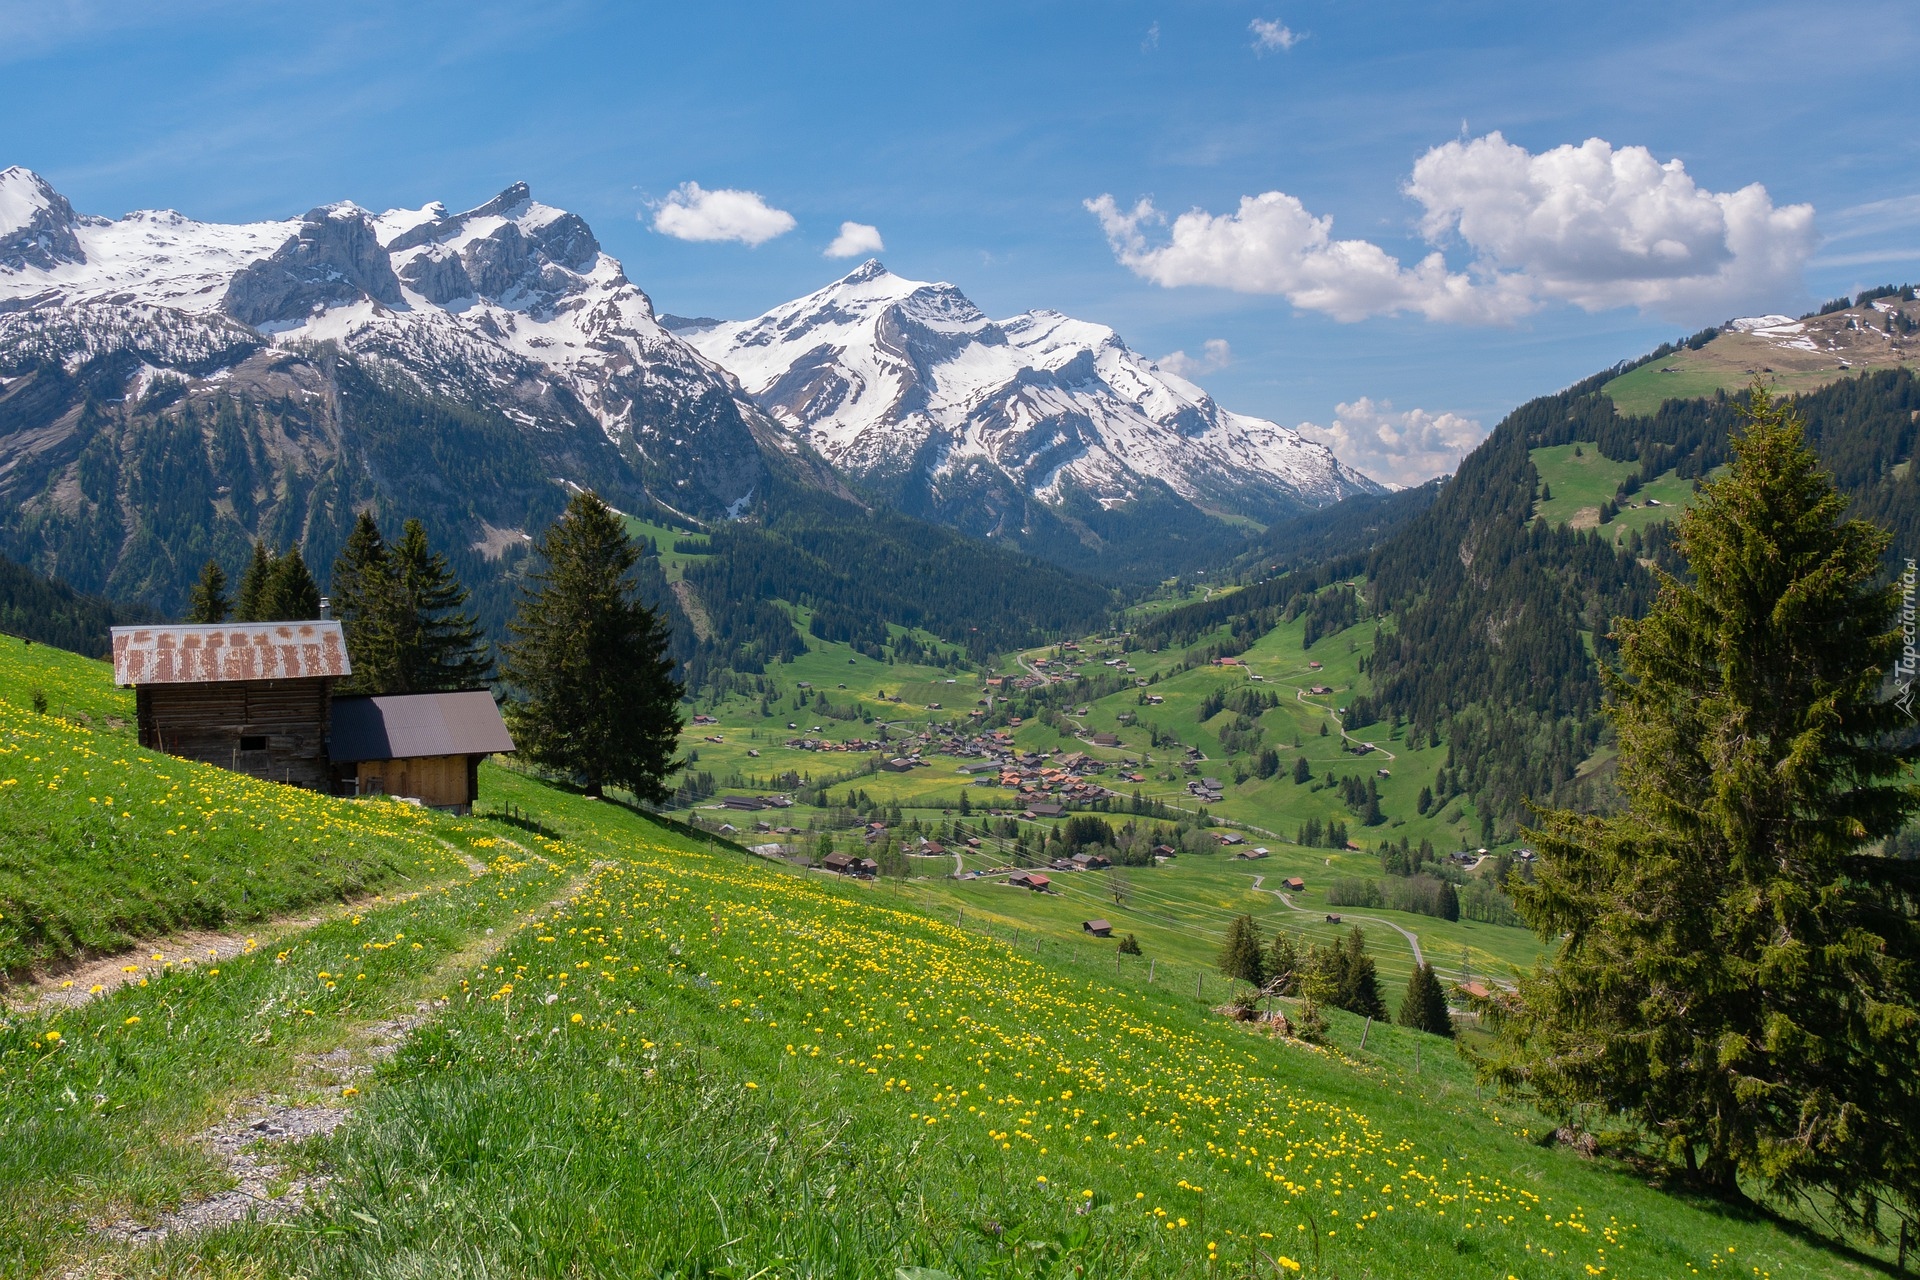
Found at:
<point>228,651</point>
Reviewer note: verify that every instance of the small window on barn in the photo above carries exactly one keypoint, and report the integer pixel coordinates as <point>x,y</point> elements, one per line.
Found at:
<point>253,742</point>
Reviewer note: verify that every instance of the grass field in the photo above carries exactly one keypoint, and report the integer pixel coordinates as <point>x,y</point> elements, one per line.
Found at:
<point>77,689</point>
<point>620,1052</point>
<point>1580,483</point>
<point>1733,361</point>
<point>665,537</point>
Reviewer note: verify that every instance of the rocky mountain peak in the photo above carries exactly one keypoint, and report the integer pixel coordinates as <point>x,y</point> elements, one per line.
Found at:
<point>334,258</point>
<point>36,223</point>
<point>871,269</point>
<point>910,386</point>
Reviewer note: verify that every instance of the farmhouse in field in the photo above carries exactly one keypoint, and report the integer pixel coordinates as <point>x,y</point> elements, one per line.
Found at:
<point>1098,928</point>
<point>257,698</point>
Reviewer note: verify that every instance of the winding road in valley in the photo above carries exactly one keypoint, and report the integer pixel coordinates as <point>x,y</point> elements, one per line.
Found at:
<point>1413,939</point>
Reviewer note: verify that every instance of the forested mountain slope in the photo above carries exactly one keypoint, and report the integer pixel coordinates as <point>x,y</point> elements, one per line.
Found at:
<point>1493,619</point>
<point>47,611</point>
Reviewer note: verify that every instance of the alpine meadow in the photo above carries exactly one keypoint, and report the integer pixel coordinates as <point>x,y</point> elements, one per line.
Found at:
<point>677,693</point>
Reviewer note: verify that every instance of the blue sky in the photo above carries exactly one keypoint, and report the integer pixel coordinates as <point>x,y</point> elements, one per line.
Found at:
<point>972,138</point>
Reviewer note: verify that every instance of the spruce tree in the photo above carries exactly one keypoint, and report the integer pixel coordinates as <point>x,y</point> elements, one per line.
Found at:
<point>596,696</point>
<point>1240,956</point>
<point>291,594</point>
<point>1740,972</point>
<point>438,645</point>
<point>1424,1007</point>
<point>253,585</point>
<point>1358,990</point>
<point>1302,771</point>
<point>361,589</point>
<point>207,601</point>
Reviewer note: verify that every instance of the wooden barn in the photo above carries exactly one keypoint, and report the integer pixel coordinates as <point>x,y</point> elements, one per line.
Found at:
<point>252,697</point>
<point>421,746</point>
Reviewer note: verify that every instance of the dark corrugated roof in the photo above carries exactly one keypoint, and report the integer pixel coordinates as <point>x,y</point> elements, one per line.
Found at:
<point>228,651</point>
<point>400,725</point>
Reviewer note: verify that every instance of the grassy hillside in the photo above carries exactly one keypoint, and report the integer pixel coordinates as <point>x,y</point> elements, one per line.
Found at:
<point>613,1051</point>
<point>106,843</point>
<point>1581,481</point>
<point>1791,357</point>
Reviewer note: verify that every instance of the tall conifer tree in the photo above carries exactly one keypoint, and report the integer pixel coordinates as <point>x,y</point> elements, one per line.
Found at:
<point>439,646</point>
<point>1283,962</point>
<point>1240,956</point>
<point>1359,985</point>
<point>1424,1007</point>
<point>291,594</point>
<point>253,585</point>
<point>596,692</point>
<point>1740,972</point>
<point>361,591</point>
<point>207,601</point>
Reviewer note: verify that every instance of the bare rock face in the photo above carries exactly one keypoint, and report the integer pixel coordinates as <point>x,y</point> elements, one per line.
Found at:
<point>36,224</point>
<point>438,275</point>
<point>334,258</point>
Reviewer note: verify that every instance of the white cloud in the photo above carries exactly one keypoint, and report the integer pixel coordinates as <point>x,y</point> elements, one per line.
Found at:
<point>694,213</point>
<point>1592,225</point>
<point>1271,35</point>
<point>1273,245</point>
<point>1402,448</point>
<point>856,238</point>
<point>1214,356</point>
<point>1152,41</point>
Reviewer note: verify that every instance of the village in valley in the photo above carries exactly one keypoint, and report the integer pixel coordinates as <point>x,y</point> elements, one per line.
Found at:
<point>962,790</point>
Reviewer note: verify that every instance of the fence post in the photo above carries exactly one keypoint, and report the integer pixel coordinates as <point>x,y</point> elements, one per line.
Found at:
<point>1364,1030</point>
<point>1151,966</point>
<point>1198,978</point>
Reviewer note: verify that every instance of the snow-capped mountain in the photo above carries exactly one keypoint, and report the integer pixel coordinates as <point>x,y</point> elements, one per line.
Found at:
<point>171,389</point>
<point>511,306</point>
<point>909,387</point>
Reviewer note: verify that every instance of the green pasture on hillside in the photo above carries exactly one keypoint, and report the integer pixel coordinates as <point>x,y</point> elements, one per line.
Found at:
<point>621,1051</point>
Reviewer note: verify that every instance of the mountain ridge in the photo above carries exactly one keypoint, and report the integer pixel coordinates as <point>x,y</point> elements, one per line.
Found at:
<point>1005,427</point>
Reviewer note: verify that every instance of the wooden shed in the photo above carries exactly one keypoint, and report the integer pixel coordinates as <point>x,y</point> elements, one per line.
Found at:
<point>424,746</point>
<point>252,697</point>
<point>1098,928</point>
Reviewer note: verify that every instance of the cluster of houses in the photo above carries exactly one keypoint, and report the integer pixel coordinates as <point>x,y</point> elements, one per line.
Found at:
<point>1206,790</point>
<point>258,698</point>
<point>1045,782</point>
